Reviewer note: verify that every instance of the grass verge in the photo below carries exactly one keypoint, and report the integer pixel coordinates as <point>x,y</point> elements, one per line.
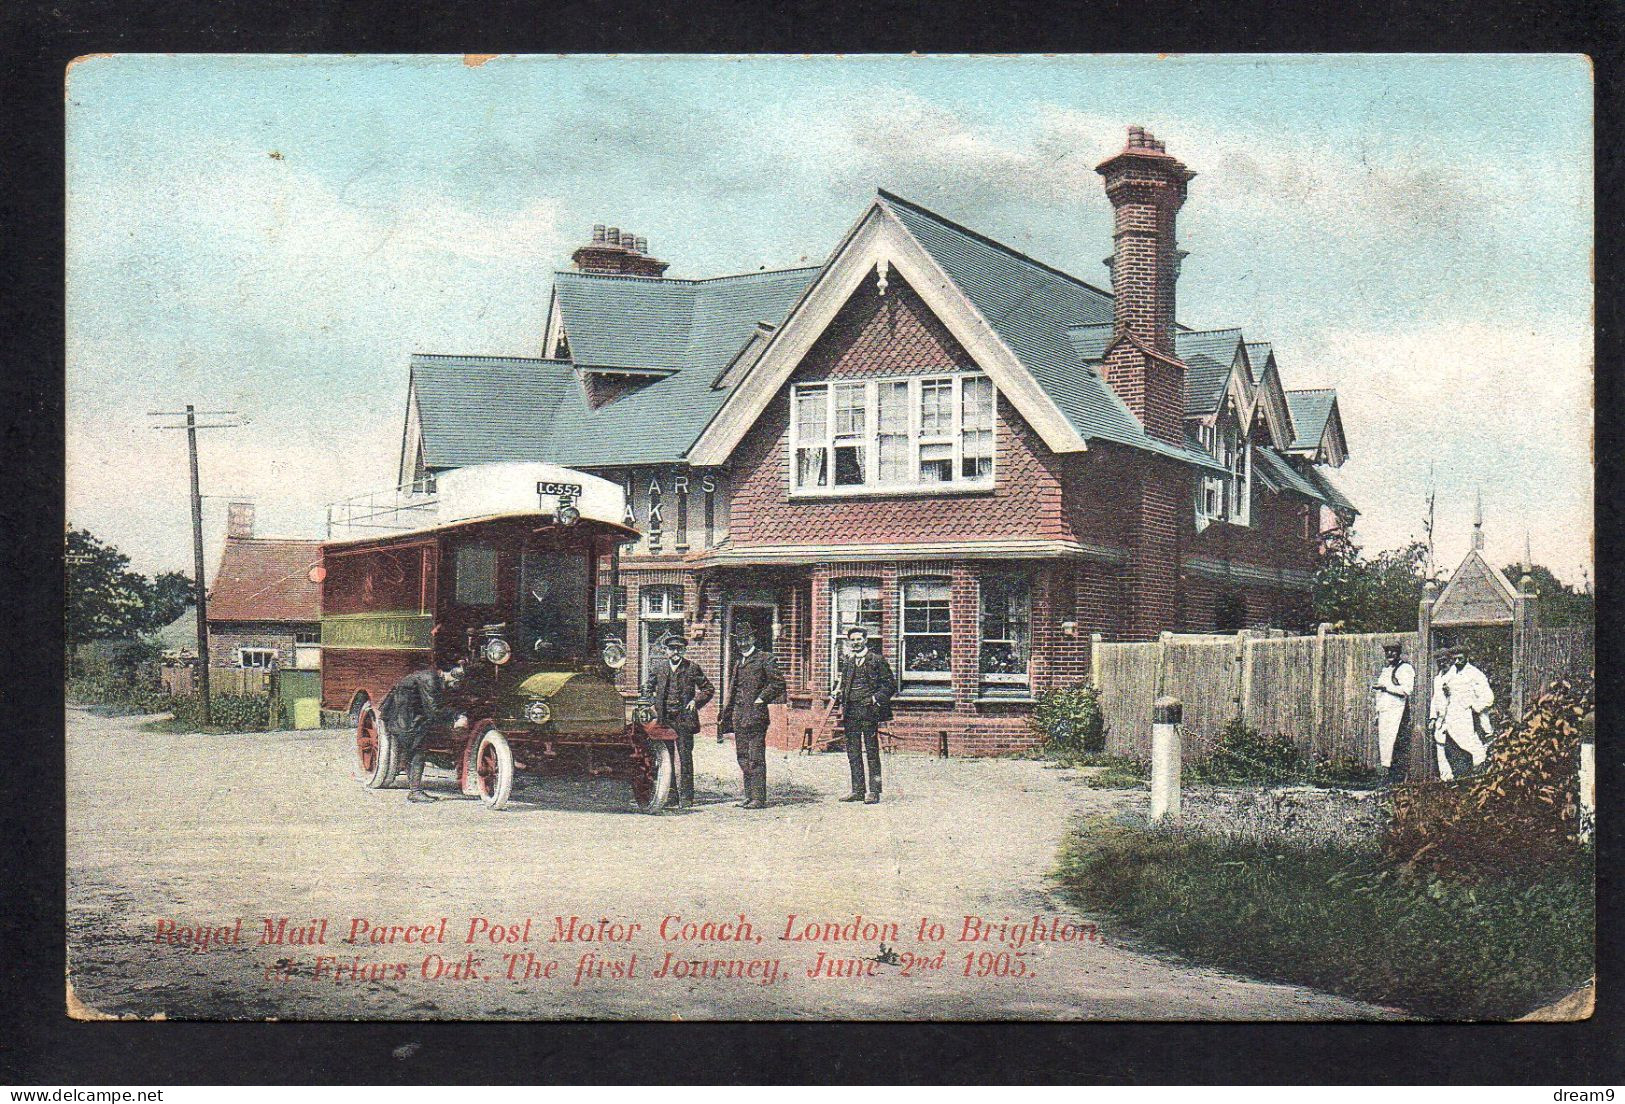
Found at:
<point>1339,920</point>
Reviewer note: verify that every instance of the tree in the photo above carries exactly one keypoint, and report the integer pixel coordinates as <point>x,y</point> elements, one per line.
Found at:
<point>1560,604</point>
<point>108,601</point>
<point>167,597</point>
<point>1357,594</point>
<point>105,599</point>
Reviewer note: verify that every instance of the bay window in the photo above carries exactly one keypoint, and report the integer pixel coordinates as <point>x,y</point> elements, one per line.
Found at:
<point>897,434</point>
<point>1006,624</point>
<point>926,645</point>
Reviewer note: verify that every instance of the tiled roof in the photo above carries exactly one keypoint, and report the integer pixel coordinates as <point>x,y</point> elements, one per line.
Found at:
<point>1310,410</point>
<point>479,409</point>
<point>707,321</point>
<point>1258,355</point>
<point>266,580</point>
<point>1034,309</point>
<point>1328,490</point>
<point>1280,473</point>
<point>1205,381</point>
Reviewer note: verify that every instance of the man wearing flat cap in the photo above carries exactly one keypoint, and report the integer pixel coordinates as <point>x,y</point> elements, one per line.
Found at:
<point>678,689</point>
<point>1391,695</point>
<point>753,684</point>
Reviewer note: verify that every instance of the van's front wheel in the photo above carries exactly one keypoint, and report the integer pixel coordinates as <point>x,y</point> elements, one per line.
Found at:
<point>651,784</point>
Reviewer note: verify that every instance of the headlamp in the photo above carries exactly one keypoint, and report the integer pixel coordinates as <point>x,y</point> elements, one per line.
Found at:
<point>614,654</point>
<point>568,515</point>
<point>497,651</point>
<point>538,712</point>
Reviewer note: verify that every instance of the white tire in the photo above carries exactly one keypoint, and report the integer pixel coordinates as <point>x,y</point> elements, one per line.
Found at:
<point>493,764</point>
<point>375,750</point>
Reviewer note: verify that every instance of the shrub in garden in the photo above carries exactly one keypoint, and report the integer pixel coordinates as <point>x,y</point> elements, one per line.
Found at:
<point>229,712</point>
<point>1244,755</point>
<point>1520,813</point>
<point>1068,721</point>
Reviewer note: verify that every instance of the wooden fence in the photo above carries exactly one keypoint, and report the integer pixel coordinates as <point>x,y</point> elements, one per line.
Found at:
<point>1313,689</point>
<point>248,682</point>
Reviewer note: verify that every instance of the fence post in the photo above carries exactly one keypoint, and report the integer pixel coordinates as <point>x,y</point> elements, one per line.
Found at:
<point>1523,626</point>
<point>1166,717</point>
<point>1095,640</point>
<point>1421,766</point>
<point>1317,679</point>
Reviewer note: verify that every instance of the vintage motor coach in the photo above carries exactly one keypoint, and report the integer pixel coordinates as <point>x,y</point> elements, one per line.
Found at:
<point>494,568</point>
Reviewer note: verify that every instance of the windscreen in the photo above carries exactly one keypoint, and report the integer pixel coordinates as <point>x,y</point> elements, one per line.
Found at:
<point>553,605</point>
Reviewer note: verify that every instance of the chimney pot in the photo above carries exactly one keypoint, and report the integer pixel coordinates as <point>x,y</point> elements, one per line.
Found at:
<point>240,520</point>
<point>598,234</point>
<point>613,235</point>
<point>642,244</point>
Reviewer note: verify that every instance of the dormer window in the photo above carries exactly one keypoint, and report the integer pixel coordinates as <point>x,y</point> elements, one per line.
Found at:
<point>1227,497</point>
<point>892,435</point>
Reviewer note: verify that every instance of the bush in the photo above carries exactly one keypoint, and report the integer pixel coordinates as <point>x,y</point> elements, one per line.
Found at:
<point>1068,722</point>
<point>1243,756</point>
<point>1341,920</point>
<point>229,713</point>
<point>118,694</point>
<point>1521,813</point>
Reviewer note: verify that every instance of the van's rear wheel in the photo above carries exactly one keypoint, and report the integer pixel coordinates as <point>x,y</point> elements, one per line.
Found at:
<point>651,784</point>
<point>374,750</point>
<point>493,765</point>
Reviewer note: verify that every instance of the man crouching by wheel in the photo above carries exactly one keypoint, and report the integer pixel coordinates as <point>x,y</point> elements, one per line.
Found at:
<point>415,704</point>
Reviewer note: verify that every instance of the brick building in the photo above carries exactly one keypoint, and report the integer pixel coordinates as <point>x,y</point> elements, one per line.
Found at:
<point>264,609</point>
<point>980,457</point>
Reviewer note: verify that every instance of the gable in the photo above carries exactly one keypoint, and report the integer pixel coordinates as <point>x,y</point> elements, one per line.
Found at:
<point>1478,594</point>
<point>879,244</point>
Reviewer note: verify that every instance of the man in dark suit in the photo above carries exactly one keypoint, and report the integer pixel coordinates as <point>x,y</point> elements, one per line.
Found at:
<point>863,693</point>
<point>416,704</point>
<point>753,684</point>
<point>678,689</point>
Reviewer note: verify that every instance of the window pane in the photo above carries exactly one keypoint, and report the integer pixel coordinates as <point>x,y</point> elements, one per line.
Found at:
<point>476,583</point>
<point>936,463</point>
<point>927,645</point>
<point>810,425</point>
<point>812,467</point>
<point>893,439</point>
<point>936,408</point>
<point>1006,629</point>
<point>849,410</point>
<point>848,465</point>
<point>893,407</point>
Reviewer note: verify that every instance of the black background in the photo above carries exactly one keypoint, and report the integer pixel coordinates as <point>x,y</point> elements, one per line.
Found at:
<point>39,1045</point>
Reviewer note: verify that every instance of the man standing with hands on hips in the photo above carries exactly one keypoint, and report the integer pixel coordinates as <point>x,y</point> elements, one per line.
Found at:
<point>863,693</point>
<point>678,689</point>
<point>753,684</point>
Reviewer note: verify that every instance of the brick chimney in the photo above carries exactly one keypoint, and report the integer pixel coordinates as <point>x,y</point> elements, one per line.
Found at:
<point>240,520</point>
<point>1146,188</point>
<point>617,252</point>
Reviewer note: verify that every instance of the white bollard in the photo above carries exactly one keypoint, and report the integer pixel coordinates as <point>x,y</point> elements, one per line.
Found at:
<point>1166,716</point>
<point>1588,767</point>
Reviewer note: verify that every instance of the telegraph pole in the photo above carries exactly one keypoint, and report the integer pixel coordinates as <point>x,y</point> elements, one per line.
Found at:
<point>200,592</point>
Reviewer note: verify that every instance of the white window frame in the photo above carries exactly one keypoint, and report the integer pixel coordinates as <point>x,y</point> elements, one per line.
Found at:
<point>923,683</point>
<point>1225,497</point>
<point>869,441</point>
<point>272,657</point>
<point>992,681</point>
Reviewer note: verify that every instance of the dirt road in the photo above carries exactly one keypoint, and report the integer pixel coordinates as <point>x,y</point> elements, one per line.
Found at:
<point>180,840</point>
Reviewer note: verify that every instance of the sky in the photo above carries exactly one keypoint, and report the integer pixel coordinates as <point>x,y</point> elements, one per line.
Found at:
<point>277,235</point>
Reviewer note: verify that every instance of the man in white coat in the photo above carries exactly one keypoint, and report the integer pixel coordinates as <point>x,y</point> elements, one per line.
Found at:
<point>1461,701</point>
<point>1391,695</point>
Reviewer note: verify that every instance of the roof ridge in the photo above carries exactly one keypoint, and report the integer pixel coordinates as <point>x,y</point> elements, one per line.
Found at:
<point>275,540</point>
<point>892,197</point>
<point>487,356</point>
<point>685,281</point>
<point>1217,330</point>
<point>1310,390</point>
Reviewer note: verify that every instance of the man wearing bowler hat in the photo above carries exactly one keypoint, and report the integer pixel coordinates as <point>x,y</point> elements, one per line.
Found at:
<point>677,689</point>
<point>863,693</point>
<point>753,684</point>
